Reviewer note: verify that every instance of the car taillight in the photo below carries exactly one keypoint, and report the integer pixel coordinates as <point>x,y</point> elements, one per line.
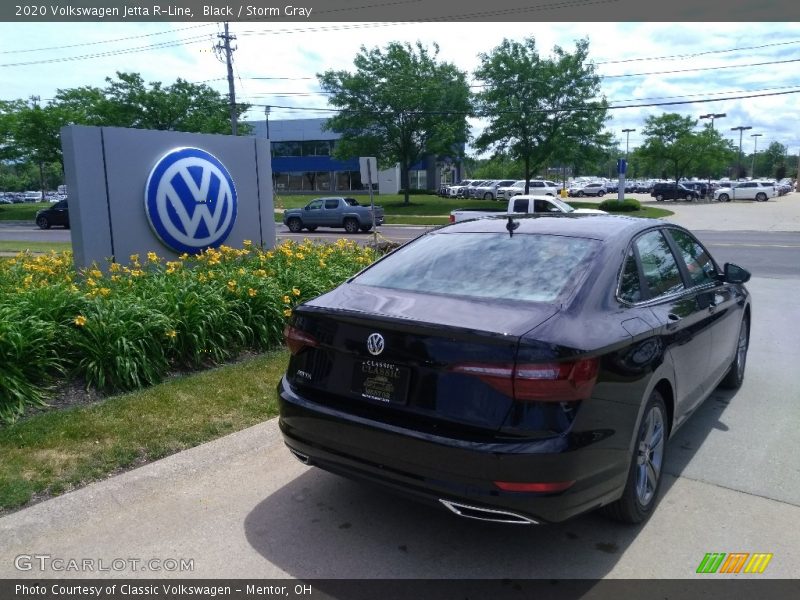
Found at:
<point>452,218</point>
<point>537,382</point>
<point>296,340</point>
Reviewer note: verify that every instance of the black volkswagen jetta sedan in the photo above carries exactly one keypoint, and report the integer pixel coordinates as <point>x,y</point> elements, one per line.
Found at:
<point>519,370</point>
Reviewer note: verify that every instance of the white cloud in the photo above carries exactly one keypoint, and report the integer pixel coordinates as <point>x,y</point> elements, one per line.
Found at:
<point>269,50</point>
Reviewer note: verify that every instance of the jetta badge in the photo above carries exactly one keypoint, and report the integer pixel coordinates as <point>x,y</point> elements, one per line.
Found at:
<point>375,344</point>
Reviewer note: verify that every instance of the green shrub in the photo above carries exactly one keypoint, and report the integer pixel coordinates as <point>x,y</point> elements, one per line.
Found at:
<point>28,361</point>
<point>129,326</point>
<point>626,205</point>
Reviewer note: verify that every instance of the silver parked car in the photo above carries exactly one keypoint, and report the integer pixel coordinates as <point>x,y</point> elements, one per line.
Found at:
<point>488,190</point>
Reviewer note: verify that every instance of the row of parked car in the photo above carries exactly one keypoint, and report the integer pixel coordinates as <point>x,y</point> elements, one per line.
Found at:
<point>21,197</point>
<point>498,189</point>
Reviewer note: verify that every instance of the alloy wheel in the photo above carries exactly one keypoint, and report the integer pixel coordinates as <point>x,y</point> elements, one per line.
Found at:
<point>650,456</point>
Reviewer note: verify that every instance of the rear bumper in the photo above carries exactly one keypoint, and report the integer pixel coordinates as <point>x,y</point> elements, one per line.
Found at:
<point>433,469</point>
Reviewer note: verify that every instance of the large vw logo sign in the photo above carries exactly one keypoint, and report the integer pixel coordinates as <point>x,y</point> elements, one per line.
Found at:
<point>375,344</point>
<point>190,200</point>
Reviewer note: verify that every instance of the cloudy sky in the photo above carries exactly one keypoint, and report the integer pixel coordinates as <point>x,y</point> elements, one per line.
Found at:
<point>276,64</point>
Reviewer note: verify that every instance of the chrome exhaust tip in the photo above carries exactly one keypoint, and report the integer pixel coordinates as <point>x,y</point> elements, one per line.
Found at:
<point>303,458</point>
<point>487,514</point>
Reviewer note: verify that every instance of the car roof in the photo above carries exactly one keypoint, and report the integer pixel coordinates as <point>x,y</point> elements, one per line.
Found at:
<point>594,226</point>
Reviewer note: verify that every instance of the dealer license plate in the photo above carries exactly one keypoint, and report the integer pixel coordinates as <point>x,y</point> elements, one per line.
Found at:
<point>381,381</point>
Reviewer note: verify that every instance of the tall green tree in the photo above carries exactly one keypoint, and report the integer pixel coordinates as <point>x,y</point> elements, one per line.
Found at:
<point>540,108</point>
<point>128,101</point>
<point>399,104</point>
<point>771,162</point>
<point>673,146</point>
<point>36,137</point>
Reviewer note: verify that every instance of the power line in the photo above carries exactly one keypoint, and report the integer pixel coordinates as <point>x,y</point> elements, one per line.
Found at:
<point>695,54</point>
<point>112,41</point>
<point>652,104</point>
<point>774,62</point>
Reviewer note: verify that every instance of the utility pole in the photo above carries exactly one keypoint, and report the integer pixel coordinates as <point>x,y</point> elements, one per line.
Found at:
<point>755,137</point>
<point>741,129</point>
<point>225,46</point>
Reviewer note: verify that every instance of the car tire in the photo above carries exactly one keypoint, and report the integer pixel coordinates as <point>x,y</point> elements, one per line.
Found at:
<point>724,198</point>
<point>735,376</point>
<point>600,194</point>
<point>761,197</point>
<point>488,196</point>
<point>659,197</point>
<point>580,194</point>
<point>295,225</point>
<point>43,222</point>
<point>351,225</point>
<point>647,463</point>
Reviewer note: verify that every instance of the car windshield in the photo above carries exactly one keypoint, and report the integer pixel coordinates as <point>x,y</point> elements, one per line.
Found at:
<point>526,267</point>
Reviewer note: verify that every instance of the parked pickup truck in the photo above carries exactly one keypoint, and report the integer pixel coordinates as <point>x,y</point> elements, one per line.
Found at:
<point>332,212</point>
<point>521,205</point>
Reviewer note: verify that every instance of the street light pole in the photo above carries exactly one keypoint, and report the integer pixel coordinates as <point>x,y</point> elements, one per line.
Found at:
<point>741,129</point>
<point>267,110</point>
<point>755,137</point>
<point>711,116</point>
<point>627,133</point>
<point>623,175</point>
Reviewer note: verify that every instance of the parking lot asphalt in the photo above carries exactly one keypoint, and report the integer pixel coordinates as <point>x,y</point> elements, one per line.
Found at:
<point>242,506</point>
<point>777,214</point>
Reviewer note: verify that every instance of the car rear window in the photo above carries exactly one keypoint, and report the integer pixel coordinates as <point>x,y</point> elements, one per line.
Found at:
<point>532,268</point>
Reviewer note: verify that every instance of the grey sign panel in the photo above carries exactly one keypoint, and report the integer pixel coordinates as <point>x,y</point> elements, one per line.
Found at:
<point>108,170</point>
<point>90,225</point>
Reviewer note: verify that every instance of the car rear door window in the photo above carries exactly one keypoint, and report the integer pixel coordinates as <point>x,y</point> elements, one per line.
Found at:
<point>332,203</point>
<point>630,286</point>
<point>661,273</point>
<point>698,262</point>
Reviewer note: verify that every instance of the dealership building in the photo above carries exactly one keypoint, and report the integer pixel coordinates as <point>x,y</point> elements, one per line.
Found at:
<point>303,162</point>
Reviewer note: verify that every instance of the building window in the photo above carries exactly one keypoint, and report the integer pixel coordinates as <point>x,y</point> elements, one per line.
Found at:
<point>286,148</point>
<point>323,180</point>
<point>296,180</point>
<point>418,180</point>
<point>348,180</point>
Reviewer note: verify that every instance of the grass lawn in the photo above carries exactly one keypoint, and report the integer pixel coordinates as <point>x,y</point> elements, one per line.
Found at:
<point>52,452</point>
<point>21,246</point>
<point>21,212</point>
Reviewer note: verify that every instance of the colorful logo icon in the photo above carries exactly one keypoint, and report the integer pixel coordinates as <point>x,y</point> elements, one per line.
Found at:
<point>190,200</point>
<point>733,563</point>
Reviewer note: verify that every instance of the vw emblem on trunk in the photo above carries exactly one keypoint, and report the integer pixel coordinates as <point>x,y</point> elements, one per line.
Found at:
<point>375,344</point>
<point>190,200</point>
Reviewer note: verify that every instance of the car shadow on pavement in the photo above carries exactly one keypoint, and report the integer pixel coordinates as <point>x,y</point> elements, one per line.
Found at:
<point>686,442</point>
<point>324,526</point>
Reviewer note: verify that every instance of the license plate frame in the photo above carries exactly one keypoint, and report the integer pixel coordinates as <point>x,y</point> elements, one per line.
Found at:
<point>380,381</point>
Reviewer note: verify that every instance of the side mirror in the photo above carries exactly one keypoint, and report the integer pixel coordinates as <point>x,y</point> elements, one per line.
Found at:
<point>736,274</point>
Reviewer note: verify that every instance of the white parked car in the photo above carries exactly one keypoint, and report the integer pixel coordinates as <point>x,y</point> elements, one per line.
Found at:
<point>541,187</point>
<point>761,191</point>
